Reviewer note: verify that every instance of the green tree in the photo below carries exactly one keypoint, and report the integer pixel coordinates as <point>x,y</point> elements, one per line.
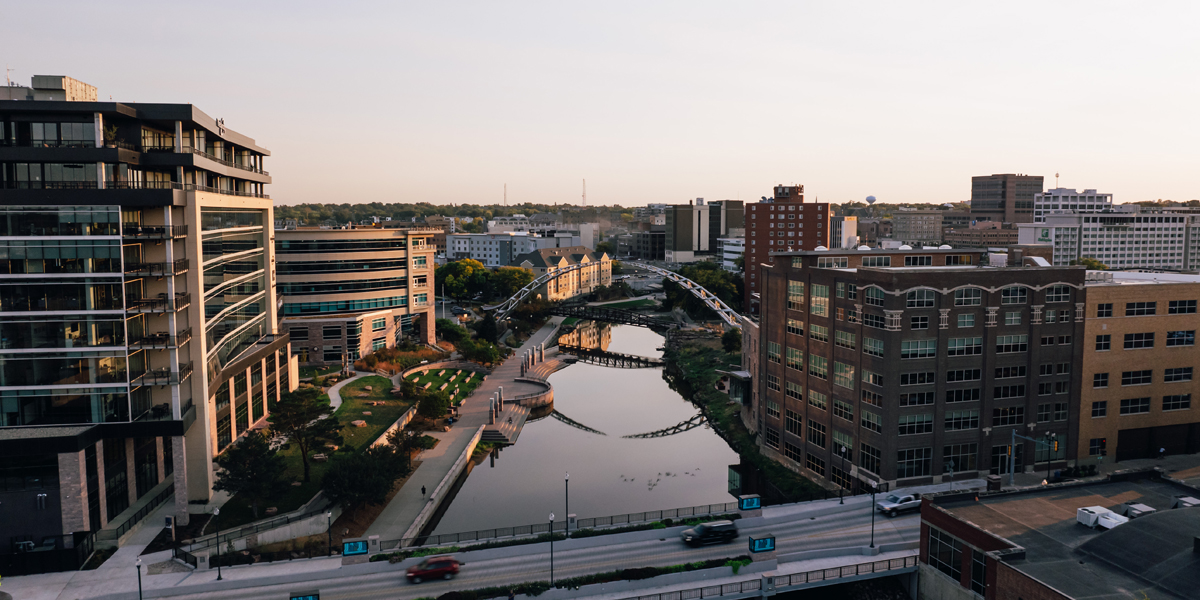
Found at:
<point>358,479</point>
<point>606,247</point>
<point>450,331</point>
<point>487,329</point>
<point>433,405</point>
<point>251,469</point>
<point>404,442</point>
<point>507,281</point>
<point>710,276</point>
<point>305,419</point>
<point>457,278</point>
<point>731,340</point>
<point>1091,263</point>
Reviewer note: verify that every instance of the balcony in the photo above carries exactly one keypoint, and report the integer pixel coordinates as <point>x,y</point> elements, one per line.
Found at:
<point>199,152</point>
<point>158,269</point>
<point>162,340</point>
<point>160,304</point>
<point>163,376</point>
<point>153,232</point>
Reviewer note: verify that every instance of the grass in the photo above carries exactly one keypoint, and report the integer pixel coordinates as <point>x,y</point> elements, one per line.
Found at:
<point>431,376</point>
<point>238,512</point>
<point>314,371</point>
<point>569,321</point>
<point>643,303</point>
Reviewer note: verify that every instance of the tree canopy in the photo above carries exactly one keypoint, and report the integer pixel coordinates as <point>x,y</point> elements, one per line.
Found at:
<point>305,419</point>
<point>252,469</point>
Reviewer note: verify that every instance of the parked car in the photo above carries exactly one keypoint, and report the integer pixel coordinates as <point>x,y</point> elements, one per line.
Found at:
<point>712,532</point>
<point>895,504</point>
<point>434,567</point>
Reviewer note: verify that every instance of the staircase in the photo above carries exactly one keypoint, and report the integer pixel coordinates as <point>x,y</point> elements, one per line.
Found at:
<point>503,431</point>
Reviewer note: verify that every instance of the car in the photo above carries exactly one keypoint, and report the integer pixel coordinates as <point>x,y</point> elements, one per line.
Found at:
<point>895,504</point>
<point>713,532</point>
<point>434,567</point>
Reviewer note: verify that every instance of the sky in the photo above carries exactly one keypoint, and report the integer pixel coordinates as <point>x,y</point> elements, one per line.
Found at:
<point>447,102</point>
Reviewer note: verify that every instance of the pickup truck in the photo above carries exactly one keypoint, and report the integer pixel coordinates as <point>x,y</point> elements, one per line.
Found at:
<point>895,504</point>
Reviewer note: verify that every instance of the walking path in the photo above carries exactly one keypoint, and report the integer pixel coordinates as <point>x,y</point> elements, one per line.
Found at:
<point>402,511</point>
<point>335,396</point>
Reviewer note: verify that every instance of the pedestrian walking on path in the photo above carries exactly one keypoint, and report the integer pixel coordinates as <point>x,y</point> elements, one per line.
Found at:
<point>422,491</point>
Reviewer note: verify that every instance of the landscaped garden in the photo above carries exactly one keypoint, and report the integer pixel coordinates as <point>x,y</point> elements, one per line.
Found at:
<point>309,372</point>
<point>458,389</point>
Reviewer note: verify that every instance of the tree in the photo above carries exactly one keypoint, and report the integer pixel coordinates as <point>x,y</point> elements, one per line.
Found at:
<point>487,328</point>
<point>606,247</point>
<point>458,277</point>
<point>1091,263</point>
<point>404,442</point>
<point>507,281</point>
<point>303,419</point>
<point>450,331</point>
<point>363,478</point>
<point>252,469</point>
<point>434,405</point>
<point>731,340</point>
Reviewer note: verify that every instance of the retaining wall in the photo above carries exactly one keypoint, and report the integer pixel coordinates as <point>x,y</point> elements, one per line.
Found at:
<point>442,490</point>
<point>400,423</point>
<point>534,400</point>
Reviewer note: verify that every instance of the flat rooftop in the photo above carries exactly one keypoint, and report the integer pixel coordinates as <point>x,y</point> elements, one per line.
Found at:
<point>1151,554</point>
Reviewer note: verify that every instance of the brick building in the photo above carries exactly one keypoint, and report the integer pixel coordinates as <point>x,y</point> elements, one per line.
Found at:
<point>783,223</point>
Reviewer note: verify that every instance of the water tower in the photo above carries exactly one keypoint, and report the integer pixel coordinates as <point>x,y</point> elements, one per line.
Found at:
<point>870,200</point>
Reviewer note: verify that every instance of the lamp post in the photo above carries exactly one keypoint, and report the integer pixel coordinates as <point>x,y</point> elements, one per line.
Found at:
<point>551,549</point>
<point>1049,452</point>
<point>567,491</point>
<point>139,568</point>
<point>329,532</point>
<point>873,487</point>
<point>842,486</point>
<point>216,513</point>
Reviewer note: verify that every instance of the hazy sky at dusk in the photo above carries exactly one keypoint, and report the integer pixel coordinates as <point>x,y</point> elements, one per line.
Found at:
<point>655,102</point>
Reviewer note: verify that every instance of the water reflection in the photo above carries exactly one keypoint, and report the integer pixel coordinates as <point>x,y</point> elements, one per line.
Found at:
<point>588,334</point>
<point>610,474</point>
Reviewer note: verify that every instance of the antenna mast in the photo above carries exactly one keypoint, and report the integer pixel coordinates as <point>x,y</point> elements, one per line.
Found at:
<point>1056,180</point>
<point>7,79</point>
<point>506,194</point>
<point>585,192</point>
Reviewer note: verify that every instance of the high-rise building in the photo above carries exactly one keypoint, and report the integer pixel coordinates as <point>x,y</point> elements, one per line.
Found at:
<point>1127,237</point>
<point>687,231</point>
<point>914,226</point>
<point>1068,200</point>
<point>137,311</point>
<point>782,223</point>
<point>910,365</point>
<point>349,292</point>
<point>843,232</point>
<point>1007,198</point>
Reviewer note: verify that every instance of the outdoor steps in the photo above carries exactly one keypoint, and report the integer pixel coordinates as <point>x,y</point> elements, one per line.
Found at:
<point>503,431</point>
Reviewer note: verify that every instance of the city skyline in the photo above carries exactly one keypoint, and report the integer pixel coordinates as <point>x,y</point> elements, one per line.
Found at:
<point>661,103</point>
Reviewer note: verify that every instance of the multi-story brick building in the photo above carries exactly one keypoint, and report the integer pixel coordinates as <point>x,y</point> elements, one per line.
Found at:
<point>782,223</point>
<point>1139,362</point>
<point>988,234</point>
<point>917,362</point>
<point>916,227</point>
<point>1006,198</point>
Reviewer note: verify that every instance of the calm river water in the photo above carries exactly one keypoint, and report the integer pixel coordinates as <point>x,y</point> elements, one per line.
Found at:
<point>610,474</point>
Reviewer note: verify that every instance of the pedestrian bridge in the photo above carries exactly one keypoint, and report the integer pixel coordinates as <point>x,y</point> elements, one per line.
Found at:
<point>612,315</point>
<point>611,359</point>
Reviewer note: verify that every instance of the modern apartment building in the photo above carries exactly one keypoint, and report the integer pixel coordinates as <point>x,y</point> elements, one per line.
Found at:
<point>1128,237</point>
<point>1139,366</point>
<point>917,227</point>
<point>843,232</point>
<point>1069,200</point>
<point>494,249</point>
<point>348,292</point>
<point>782,223</point>
<point>138,325</point>
<point>908,366</point>
<point>509,223</point>
<point>596,272</point>
<point>1007,198</point>
<point>731,249</point>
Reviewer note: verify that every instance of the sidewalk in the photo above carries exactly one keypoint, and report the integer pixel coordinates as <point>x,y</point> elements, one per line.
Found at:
<point>335,396</point>
<point>402,511</point>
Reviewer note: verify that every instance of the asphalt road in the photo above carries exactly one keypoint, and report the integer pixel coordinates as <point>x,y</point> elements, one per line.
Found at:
<point>532,562</point>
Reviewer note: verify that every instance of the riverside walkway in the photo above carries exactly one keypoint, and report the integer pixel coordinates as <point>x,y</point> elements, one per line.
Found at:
<point>436,464</point>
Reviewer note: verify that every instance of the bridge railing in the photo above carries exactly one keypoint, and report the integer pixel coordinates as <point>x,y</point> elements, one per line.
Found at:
<point>480,535</point>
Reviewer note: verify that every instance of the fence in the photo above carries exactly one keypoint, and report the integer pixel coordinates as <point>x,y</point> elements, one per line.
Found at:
<point>241,532</point>
<point>184,556</point>
<point>129,523</point>
<point>540,528</point>
<point>879,566</point>
<point>708,591</point>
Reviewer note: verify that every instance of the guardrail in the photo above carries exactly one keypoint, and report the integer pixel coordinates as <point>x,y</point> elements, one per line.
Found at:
<point>879,566</point>
<point>185,556</point>
<point>145,510</point>
<point>241,532</point>
<point>540,528</point>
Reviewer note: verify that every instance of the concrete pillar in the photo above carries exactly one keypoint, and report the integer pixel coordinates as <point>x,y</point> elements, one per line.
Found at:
<point>492,411</point>
<point>158,449</point>
<point>100,475</point>
<point>72,491</point>
<point>130,471</point>
<point>500,395</point>
<point>179,473</point>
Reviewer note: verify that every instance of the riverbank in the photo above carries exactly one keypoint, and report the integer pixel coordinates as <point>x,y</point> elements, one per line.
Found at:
<point>692,363</point>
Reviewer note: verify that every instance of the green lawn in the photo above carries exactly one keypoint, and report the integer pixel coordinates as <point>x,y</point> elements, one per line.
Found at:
<point>432,377</point>
<point>643,303</point>
<point>567,322</point>
<point>313,371</point>
<point>238,512</point>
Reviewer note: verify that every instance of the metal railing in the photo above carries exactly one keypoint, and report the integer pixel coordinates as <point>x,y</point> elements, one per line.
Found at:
<point>153,232</point>
<point>158,269</point>
<point>163,376</point>
<point>879,566</point>
<point>185,556</point>
<point>241,532</point>
<point>162,339</point>
<point>162,303</point>
<point>171,185</point>
<point>708,591</point>
<point>145,510</point>
<point>540,528</point>
<point>199,152</point>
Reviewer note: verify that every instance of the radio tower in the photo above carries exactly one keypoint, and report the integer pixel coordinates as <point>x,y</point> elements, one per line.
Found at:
<point>585,192</point>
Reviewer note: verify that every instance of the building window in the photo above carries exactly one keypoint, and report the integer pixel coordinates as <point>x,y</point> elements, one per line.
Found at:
<point>915,424</point>
<point>877,261</point>
<point>794,424</point>
<point>772,438</point>
<point>872,421</point>
<point>1135,406</point>
<point>1013,317</point>
<point>1177,402</point>
<point>772,409</point>
<point>918,378</point>
<point>1181,307</point>
<point>1100,380</point>
<point>1010,372</point>
<point>795,327</point>
<point>851,291</point>
<point>914,462</point>
<point>1134,341</point>
<point>795,359</point>
<point>795,391</point>
<point>818,400</point>
<point>1099,409</point>
<point>818,333</point>
<point>1179,374</point>
<point>918,349</point>
<point>968,297</point>
<point>820,300</point>
<point>831,262</point>
<point>965,346</point>
<point>299,334</point>
<point>960,457</point>
<point>843,375</point>
<point>872,378</point>
<point>921,299</point>
<point>1011,415</point>
<point>1140,309</point>
<point>1142,377</point>
<point>918,261</point>
<point>971,395</point>
<point>1104,311</point>
<point>818,366</point>
<point>963,375</point>
<point>795,299</point>
<point>869,458</point>
<point>1045,389</point>
<point>874,296</point>
<point>978,572</point>
<point>967,320</point>
<point>773,383</point>
<point>843,410</point>
<point>378,344</point>
<point>1014,295</point>
<point>814,464</point>
<point>1008,391</point>
<point>917,398</point>
<point>962,419</point>
<point>816,434</point>
<point>774,353</point>
<point>1012,343</point>
<point>873,347</point>
<point>1103,342</point>
<point>919,323</point>
<point>379,324</point>
<point>875,321</point>
<point>1095,446</point>
<point>1064,340</point>
<point>1045,413</point>
<point>1058,293</point>
<point>869,397</point>
<point>1181,338</point>
<point>792,452</point>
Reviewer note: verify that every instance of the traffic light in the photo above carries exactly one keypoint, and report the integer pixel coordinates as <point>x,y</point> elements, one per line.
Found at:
<point>1103,446</point>
<point>1056,445</point>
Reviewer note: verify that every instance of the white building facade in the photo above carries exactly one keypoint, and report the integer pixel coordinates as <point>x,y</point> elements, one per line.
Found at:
<point>731,249</point>
<point>1067,199</point>
<point>1125,238</point>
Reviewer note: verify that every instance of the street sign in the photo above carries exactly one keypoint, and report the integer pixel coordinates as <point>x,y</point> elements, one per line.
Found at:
<point>749,502</point>
<point>763,544</point>
<point>354,548</point>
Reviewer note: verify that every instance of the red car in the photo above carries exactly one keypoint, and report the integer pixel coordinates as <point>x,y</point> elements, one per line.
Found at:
<point>434,567</point>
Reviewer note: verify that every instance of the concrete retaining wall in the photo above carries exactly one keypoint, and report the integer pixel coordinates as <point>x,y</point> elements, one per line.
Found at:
<point>442,490</point>
<point>447,364</point>
<point>533,400</point>
<point>400,423</point>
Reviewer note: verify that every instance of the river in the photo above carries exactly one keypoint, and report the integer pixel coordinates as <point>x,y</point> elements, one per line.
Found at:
<point>610,474</point>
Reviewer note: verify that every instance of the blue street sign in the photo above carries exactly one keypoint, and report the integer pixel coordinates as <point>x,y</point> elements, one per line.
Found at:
<point>354,548</point>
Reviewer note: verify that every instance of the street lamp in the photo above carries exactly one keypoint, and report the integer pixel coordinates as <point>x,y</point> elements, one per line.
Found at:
<point>551,549</point>
<point>329,532</point>
<point>845,474</point>
<point>216,513</point>
<point>139,568</point>
<point>567,484</point>
<point>873,487</point>
<point>1049,452</point>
